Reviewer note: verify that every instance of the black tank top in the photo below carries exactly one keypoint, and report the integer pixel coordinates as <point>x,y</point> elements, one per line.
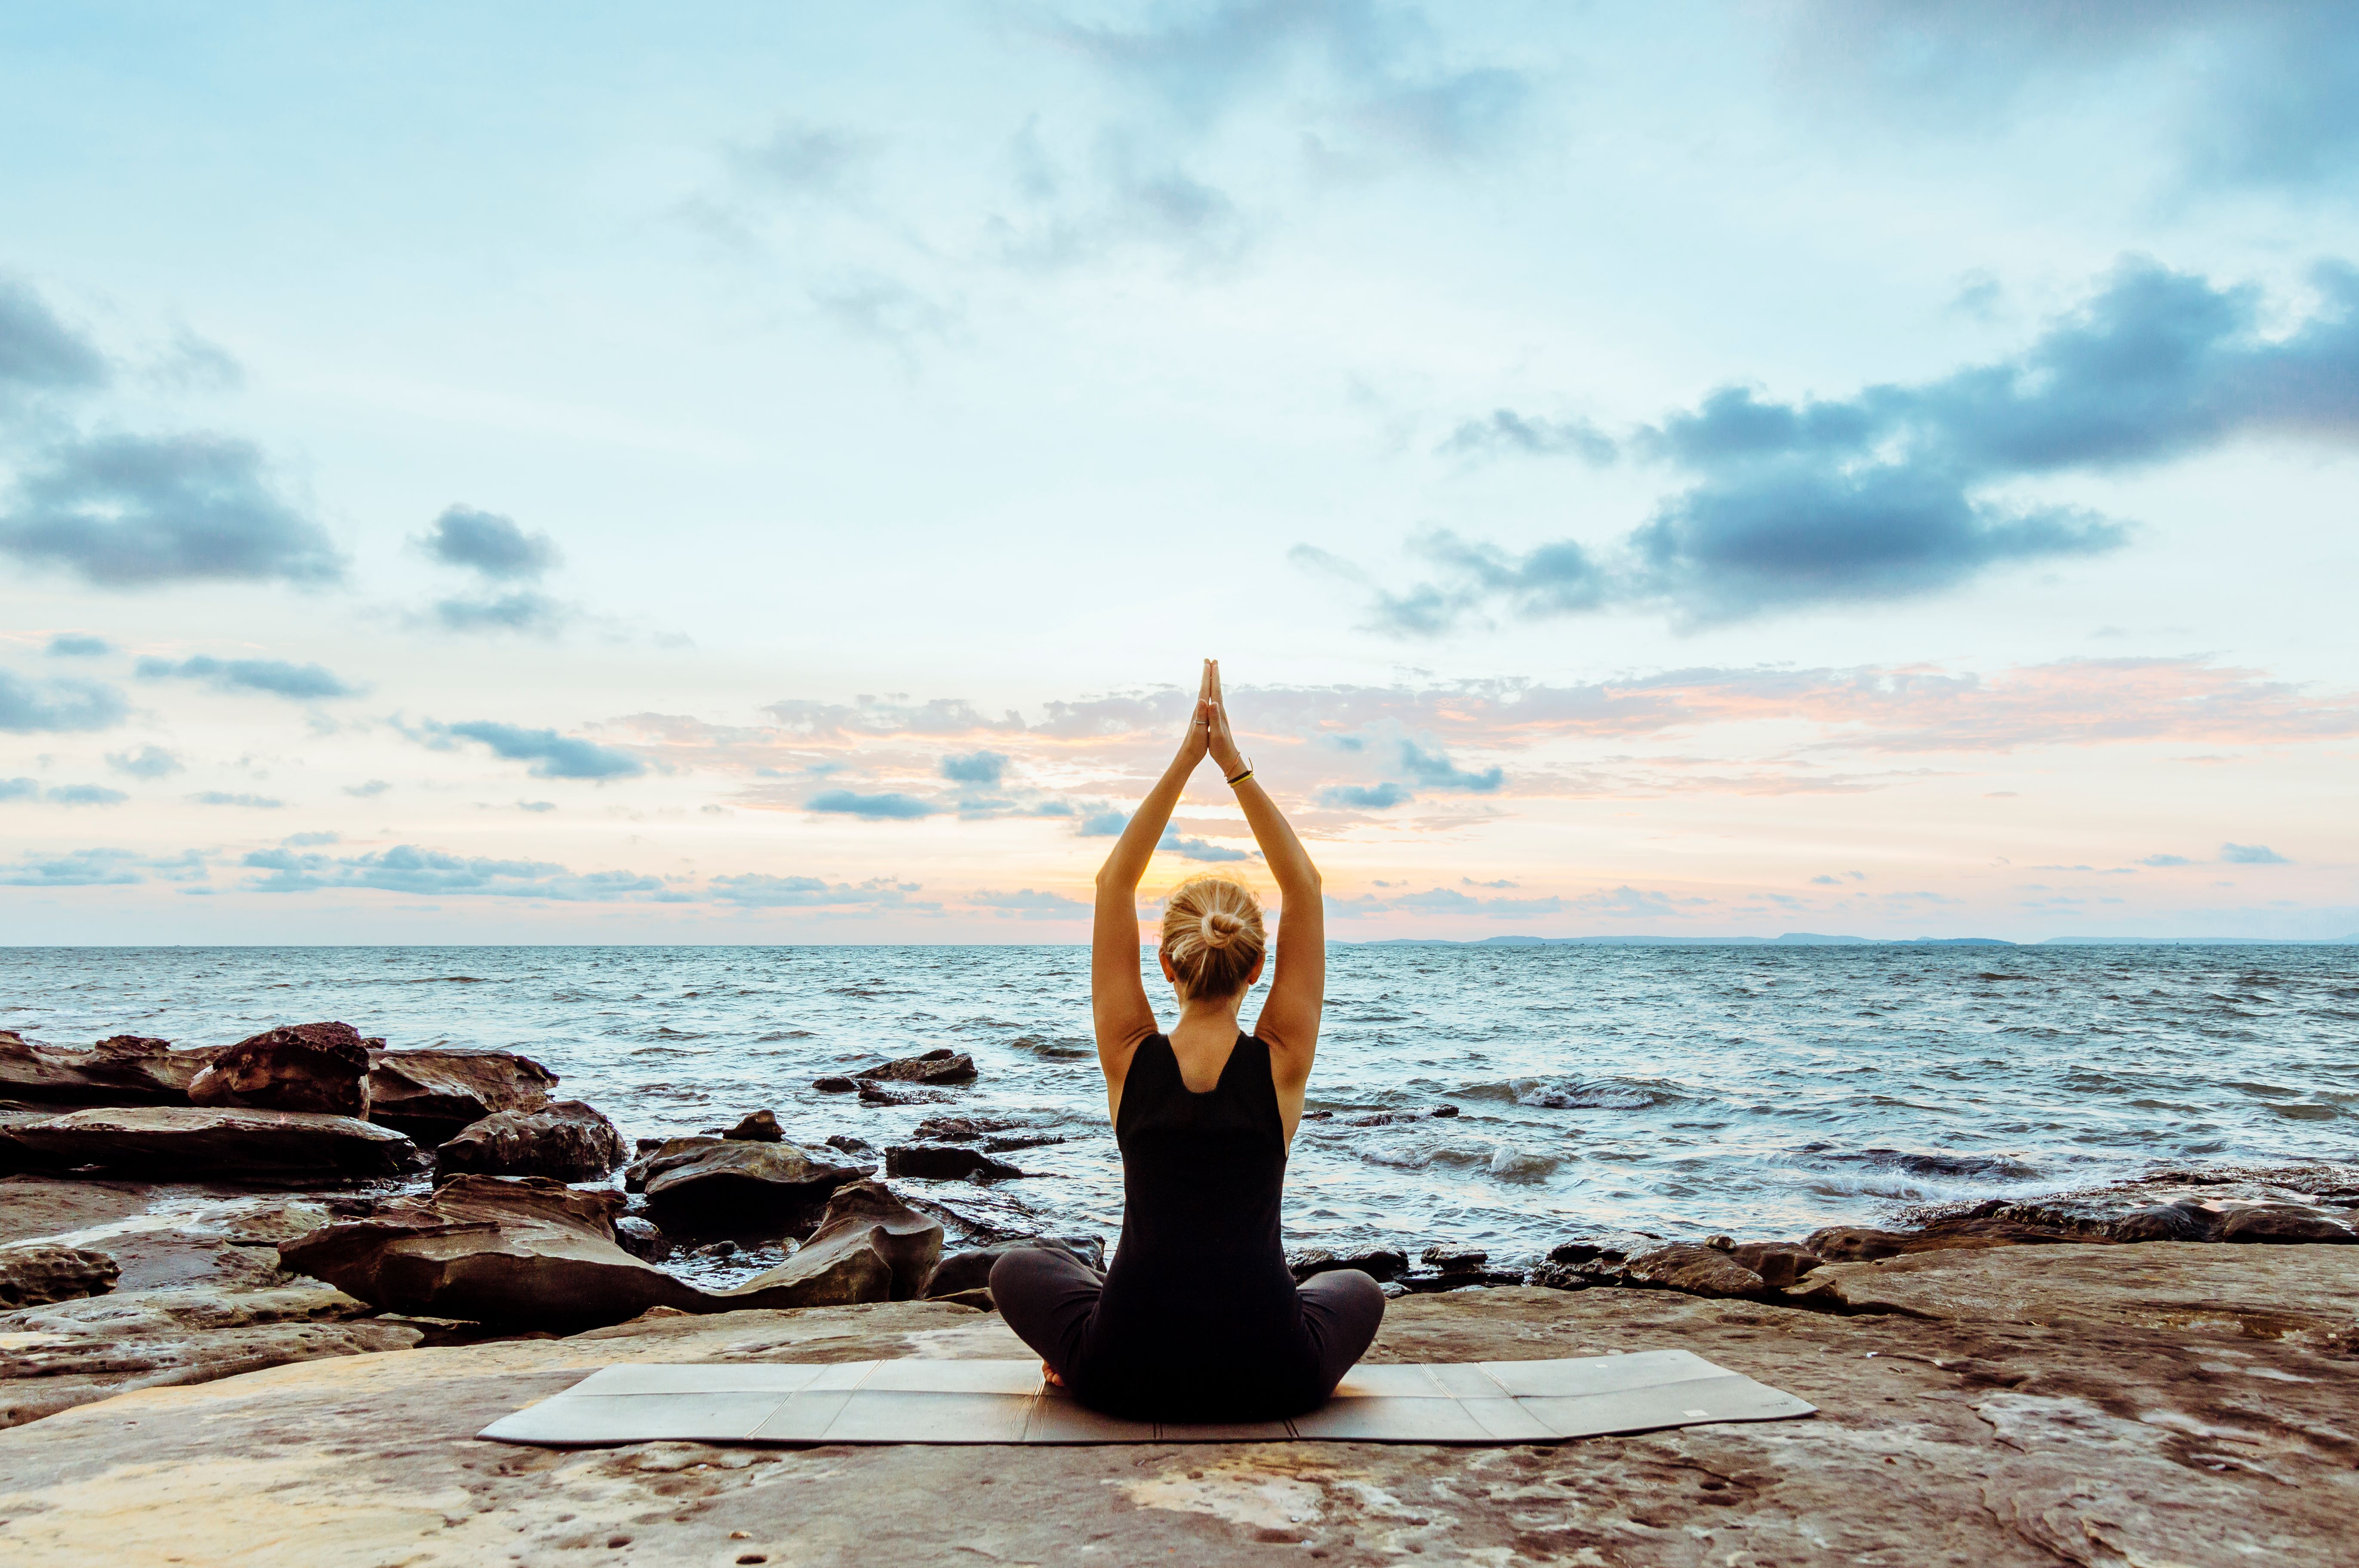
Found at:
<point>1199,1290</point>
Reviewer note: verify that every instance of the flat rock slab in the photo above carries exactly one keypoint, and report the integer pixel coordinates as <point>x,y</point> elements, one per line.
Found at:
<point>1961,1441</point>
<point>1006,1401</point>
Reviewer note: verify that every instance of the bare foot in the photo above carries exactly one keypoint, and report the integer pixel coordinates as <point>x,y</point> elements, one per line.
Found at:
<point>1048,1375</point>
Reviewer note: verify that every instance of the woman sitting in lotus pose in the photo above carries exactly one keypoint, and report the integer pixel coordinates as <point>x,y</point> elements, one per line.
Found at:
<point>1199,1319</point>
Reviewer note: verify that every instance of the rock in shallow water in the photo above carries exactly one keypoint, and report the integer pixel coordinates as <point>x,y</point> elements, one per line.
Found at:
<point>566,1140</point>
<point>940,1066</point>
<point>946,1162</point>
<point>432,1094</point>
<point>320,1067</point>
<point>716,1185</point>
<point>190,1143</point>
<point>760,1127</point>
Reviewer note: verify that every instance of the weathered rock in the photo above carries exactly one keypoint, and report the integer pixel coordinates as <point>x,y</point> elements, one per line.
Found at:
<point>961,1129</point>
<point>1610,1246</point>
<point>635,1175</point>
<point>1965,1442</point>
<point>901,1094</point>
<point>844,1142</point>
<point>191,1143</point>
<point>968,1269</point>
<point>945,1162</point>
<point>432,1094</point>
<point>1693,1270</point>
<point>76,1352</point>
<point>320,1067</point>
<point>759,1126</point>
<point>34,1273</point>
<point>641,1238</point>
<point>125,1069</point>
<point>1379,1264</point>
<point>1454,1260</point>
<point>742,1189</point>
<point>834,1083</point>
<point>939,1067</point>
<point>1848,1243</point>
<point>567,1140</point>
<point>1561,1277</point>
<point>869,1247</point>
<point>1780,1263</point>
<point>2174,1203</point>
<point>2283,1222</point>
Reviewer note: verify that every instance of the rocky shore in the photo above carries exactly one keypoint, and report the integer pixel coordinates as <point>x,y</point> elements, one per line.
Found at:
<point>209,1258</point>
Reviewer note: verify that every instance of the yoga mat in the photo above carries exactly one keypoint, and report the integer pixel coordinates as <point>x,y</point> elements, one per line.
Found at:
<point>1005,1402</point>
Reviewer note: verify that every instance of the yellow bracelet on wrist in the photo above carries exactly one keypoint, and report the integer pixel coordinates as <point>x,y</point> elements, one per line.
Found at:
<point>1242,777</point>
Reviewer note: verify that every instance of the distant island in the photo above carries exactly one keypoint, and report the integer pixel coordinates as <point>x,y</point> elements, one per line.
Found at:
<point>1818,939</point>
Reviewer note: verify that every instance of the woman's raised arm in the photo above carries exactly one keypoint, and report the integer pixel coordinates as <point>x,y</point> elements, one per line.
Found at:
<point>1118,1005</point>
<point>1290,1017</point>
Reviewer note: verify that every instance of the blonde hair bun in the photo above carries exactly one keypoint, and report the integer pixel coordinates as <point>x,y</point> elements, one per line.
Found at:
<point>1213,934</point>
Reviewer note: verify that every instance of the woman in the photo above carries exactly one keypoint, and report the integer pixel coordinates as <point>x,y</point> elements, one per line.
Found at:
<point>1198,1318</point>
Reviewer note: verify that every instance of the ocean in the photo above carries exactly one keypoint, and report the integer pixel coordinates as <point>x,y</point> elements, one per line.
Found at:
<point>1679,1091</point>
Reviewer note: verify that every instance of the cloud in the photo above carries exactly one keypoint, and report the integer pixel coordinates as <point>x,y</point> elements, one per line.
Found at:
<point>1365,797</point>
<point>754,889</point>
<point>368,791</point>
<point>1025,903</point>
<point>488,543</point>
<point>38,352</point>
<point>310,841</point>
<point>975,768</point>
<point>219,798</point>
<point>406,869</point>
<point>148,762</point>
<point>2259,95</point>
<point>1506,432</point>
<point>1892,492</point>
<point>521,612</point>
<point>84,794</point>
<point>2166,861</point>
<point>75,869</point>
<point>78,645</point>
<point>800,160</point>
<point>136,511</point>
<point>552,755</point>
<point>298,683</point>
<point>1102,825</point>
<point>1197,848</point>
<point>2251,855</point>
<point>895,806</point>
<point>1436,771</point>
<point>29,708</point>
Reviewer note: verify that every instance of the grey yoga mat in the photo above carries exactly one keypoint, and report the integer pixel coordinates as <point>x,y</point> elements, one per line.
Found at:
<point>1005,1402</point>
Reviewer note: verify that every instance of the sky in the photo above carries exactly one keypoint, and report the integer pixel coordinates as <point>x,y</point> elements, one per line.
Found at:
<point>708,473</point>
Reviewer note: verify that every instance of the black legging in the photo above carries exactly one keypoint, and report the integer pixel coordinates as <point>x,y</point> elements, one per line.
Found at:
<point>1047,1298</point>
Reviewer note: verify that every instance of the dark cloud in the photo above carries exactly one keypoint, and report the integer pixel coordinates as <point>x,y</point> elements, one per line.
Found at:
<point>1890,492</point>
<point>1436,771</point>
<point>29,707</point>
<point>148,762</point>
<point>2251,855</point>
<point>552,755</point>
<point>38,352</point>
<point>136,511</point>
<point>1506,432</point>
<point>1197,848</point>
<point>487,543</point>
<point>1365,797</point>
<point>2262,93</point>
<point>406,869</point>
<point>77,645</point>
<point>755,891</point>
<point>892,806</point>
<point>222,797</point>
<point>298,683</point>
<point>521,612</point>
<point>975,768</point>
